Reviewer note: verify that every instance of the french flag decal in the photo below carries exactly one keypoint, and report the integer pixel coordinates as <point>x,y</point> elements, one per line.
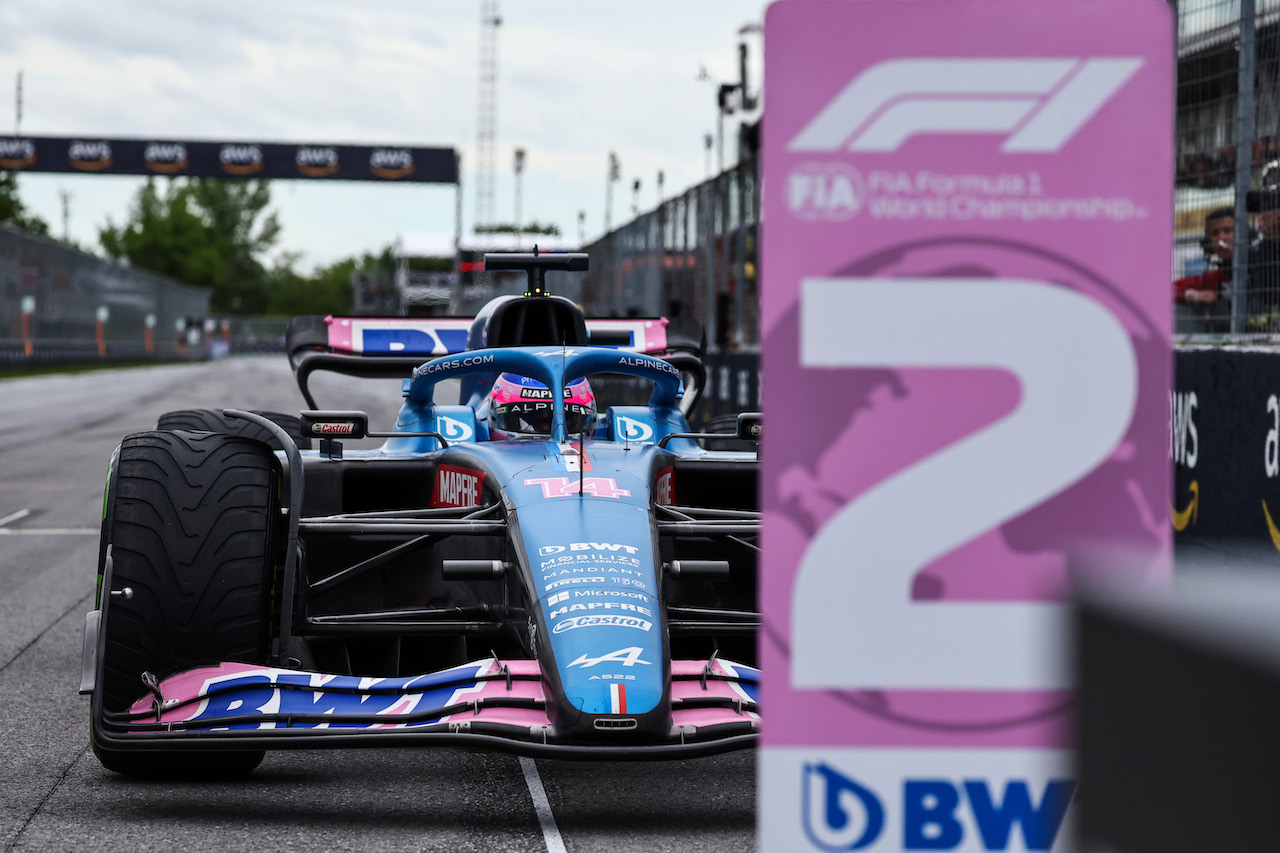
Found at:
<point>617,699</point>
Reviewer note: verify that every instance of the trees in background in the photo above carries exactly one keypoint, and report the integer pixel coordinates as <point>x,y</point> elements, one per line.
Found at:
<point>12,211</point>
<point>215,234</point>
<point>218,234</point>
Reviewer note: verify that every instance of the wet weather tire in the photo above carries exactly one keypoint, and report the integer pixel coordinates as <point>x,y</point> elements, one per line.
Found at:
<point>190,520</point>
<point>212,420</point>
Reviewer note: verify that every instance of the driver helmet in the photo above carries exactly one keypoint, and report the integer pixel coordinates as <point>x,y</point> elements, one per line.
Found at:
<point>520,406</point>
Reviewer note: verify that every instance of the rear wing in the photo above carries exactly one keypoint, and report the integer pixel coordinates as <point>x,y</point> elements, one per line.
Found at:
<point>391,347</point>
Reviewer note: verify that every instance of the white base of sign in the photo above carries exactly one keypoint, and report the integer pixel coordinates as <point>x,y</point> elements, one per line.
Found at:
<point>880,799</point>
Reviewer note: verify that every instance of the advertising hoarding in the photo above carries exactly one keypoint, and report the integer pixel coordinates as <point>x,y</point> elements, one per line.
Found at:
<point>965,325</point>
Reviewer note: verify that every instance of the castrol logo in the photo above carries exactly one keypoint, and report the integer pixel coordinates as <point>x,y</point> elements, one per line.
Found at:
<point>333,428</point>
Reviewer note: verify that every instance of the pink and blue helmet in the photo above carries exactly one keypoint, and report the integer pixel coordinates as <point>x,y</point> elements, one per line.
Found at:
<point>520,406</point>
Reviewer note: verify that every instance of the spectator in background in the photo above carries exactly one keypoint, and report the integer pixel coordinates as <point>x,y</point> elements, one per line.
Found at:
<point>1264,265</point>
<point>1212,288</point>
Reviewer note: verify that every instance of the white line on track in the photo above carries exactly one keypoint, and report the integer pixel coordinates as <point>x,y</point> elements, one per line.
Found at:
<point>48,531</point>
<point>15,516</point>
<point>550,834</point>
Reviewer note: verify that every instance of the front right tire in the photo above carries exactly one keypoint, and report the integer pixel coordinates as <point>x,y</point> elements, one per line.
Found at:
<point>191,520</point>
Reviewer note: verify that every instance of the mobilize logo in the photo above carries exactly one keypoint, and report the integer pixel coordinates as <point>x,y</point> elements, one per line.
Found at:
<point>1038,104</point>
<point>840,814</point>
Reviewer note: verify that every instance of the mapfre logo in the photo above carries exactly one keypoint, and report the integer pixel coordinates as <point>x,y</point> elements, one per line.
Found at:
<point>1039,104</point>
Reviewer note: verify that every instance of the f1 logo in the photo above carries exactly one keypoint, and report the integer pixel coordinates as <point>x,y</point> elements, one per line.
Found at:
<point>1040,103</point>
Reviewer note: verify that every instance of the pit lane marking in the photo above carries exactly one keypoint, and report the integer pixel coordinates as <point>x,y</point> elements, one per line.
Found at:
<point>550,833</point>
<point>15,516</point>
<point>49,532</point>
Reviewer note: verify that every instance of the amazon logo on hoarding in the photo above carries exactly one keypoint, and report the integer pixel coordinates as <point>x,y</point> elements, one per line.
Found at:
<point>391,163</point>
<point>240,160</point>
<point>89,156</point>
<point>17,153</point>
<point>167,158</point>
<point>317,161</point>
<point>1184,450</point>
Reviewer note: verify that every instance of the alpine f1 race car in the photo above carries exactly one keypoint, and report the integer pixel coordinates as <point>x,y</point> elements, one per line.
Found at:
<point>524,569</point>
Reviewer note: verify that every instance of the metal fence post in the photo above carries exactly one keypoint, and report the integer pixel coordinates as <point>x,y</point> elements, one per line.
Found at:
<point>1241,274</point>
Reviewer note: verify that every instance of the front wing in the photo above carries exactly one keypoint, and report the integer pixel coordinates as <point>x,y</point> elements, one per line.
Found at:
<point>490,704</point>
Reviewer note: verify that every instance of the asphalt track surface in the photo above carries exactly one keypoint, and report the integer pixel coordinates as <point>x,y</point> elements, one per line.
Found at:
<point>56,437</point>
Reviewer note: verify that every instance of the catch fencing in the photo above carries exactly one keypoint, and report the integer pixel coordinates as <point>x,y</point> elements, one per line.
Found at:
<point>1228,102</point>
<point>696,255</point>
<point>59,305</point>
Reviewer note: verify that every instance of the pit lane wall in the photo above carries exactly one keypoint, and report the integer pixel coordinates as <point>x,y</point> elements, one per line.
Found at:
<point>62,306</point>
<point>1225,448</point>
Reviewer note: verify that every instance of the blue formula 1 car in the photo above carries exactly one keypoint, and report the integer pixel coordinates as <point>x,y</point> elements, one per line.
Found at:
<point>536,575</point>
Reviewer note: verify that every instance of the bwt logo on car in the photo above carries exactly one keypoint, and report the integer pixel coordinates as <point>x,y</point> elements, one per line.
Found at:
<point>839,813</point>
<point>454,430</point>
<point>317,161</point>
<point>240,159</point>
<point>630,429</point>
<point>547,550</point>
<point>89,156</point>
<point>391,163</point>
<point>165,157</point>
<point>1039,103</point>
<point>16,153</point>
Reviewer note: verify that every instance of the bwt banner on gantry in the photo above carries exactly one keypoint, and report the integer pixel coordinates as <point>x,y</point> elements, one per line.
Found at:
<point>90,155</point>
<point>965,325</point>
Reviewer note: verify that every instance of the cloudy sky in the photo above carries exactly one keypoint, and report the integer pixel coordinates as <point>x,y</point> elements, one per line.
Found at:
<point>576,80</point>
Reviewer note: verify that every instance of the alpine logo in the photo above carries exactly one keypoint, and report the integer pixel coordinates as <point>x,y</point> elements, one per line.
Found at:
<point>457,487</point>
<point>1038,104</point>
<point>629,656</point>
